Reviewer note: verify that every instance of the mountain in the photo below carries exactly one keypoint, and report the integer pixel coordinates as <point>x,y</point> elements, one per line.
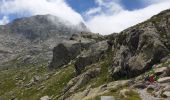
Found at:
<point>32,35</point>
<point>131,65</point>
<point>42,27</point>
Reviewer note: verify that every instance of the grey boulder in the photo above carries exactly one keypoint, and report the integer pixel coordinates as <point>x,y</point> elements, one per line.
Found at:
<point>63,53</point>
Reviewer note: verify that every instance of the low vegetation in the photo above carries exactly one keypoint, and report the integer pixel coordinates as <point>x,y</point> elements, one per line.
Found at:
<point>14,82</point>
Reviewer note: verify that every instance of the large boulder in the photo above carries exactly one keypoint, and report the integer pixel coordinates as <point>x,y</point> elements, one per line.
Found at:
<point>92,55</point>
<point>137,49</point>
<point>161,70</point>
<point>63,53</point>
<point>166,94</point>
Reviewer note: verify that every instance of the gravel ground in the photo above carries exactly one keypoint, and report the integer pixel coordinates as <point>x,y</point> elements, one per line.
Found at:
<point>146,96</point>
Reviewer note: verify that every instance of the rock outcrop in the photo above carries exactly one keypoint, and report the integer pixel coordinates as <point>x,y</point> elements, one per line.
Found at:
<point>92,93</point>
<point>84,48</point>
<point>90,56</point>
<point>81,80</point>
<point>138,48</point>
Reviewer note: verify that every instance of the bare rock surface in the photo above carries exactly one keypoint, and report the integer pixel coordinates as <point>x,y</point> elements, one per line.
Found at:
<point>138,48</point>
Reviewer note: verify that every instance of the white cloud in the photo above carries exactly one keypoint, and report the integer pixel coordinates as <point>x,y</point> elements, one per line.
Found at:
<point>115,22</point>
<point>152,1</point>
<point>105,7</point>
<point>34,7</point>
<point>105,2</point>
<point>4,20</point>
<point>94,11</point>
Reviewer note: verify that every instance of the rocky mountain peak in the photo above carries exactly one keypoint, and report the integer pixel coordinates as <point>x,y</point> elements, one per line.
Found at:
<point>35,33</point>
<point>43,27</point>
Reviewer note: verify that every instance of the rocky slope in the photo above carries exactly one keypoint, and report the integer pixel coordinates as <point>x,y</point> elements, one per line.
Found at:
<point>138,48</point>
<point>132,52</point>
<point>34,37</point>
<point>87,66</point>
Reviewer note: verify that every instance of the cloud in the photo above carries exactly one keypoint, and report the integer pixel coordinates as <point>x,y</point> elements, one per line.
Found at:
<point>152,1</point>
<point>118,18</point>
<point>94,11</point>
<point>104,2</point>
<point>105,7</point>
<point>40,7</point>
<point>4,20</point>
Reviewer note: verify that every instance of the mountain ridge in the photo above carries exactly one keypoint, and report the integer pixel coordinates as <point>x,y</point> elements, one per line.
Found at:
<point>40,25</point>
<point>39,32</point>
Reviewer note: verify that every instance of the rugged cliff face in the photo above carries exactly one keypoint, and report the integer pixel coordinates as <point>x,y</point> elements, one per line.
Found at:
<point>140,47</point>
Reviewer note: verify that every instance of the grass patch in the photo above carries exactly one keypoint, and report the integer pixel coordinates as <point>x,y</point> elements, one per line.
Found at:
<point>104,76</point>
<point>55,85</point>
<point>150,90</point>
<point>51,87</point>
<point>132,95</point>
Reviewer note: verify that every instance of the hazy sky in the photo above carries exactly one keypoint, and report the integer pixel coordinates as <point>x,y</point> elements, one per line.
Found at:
<point>101,16</point>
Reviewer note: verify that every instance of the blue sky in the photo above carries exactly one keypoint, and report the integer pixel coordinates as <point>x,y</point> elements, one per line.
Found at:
<point>101,16</point>
<point>83,5</point>
<point>78,5</point>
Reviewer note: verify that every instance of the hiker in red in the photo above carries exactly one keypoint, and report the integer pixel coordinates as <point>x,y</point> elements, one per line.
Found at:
<point>151,78</point>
